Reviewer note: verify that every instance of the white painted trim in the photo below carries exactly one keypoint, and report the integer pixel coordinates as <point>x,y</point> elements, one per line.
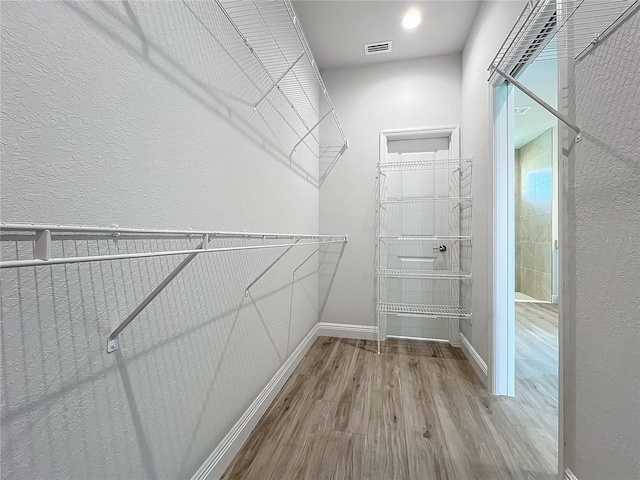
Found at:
<point>215,466</point>
<point>502,280</point>
<point>475,359</point>
<point>424,132</point>
<point>341,330</point>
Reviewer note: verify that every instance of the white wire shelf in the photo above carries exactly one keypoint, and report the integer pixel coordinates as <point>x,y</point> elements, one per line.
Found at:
<point>436,200</point>
<point>423,165</point>
<point>42,238</point>
<point>429,311</point>
<point>273,35</point>
<point>425,238</point>
<point>546,31</point>
<point>427,274</point>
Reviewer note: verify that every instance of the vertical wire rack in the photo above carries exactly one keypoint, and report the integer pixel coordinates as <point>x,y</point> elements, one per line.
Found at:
<point>426,212</point>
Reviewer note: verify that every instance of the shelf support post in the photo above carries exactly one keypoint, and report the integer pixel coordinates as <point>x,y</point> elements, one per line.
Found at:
<point>277,82</point>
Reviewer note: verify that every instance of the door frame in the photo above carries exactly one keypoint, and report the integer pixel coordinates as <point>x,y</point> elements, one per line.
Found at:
<point>502,378</point>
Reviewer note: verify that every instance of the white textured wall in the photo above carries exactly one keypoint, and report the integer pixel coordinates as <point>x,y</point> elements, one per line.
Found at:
<point>492,24</point>
<point>607,258</point>
<point>395,95</point>
<point>138,114</point>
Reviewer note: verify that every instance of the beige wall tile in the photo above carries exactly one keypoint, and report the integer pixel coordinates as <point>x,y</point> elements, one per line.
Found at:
<point>528,256</point>
<point>533,195</point>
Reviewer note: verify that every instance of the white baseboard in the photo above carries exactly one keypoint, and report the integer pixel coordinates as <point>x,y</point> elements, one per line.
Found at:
<point>341,330</point>
<point>223,455</point>
<point>479,365</point>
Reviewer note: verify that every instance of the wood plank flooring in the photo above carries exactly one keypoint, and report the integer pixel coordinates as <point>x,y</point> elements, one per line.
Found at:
<point>417,411</point>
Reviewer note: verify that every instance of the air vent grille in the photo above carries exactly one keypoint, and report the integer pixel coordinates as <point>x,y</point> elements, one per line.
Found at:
<point>376,48</point>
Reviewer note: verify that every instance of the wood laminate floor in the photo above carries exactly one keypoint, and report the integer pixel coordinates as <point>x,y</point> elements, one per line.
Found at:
<point>417,411</point>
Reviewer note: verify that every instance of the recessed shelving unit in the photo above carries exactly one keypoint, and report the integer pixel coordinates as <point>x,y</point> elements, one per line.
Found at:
<point>424,247</point>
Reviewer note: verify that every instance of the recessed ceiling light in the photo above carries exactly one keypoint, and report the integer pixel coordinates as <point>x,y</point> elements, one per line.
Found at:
<point>411,19</point>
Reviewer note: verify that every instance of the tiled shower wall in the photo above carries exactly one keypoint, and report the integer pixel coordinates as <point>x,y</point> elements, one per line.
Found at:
<point>533,174</point>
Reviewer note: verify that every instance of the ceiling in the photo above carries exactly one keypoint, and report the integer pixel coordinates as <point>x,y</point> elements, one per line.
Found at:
<point>337,29</point>
<point>541,78</point>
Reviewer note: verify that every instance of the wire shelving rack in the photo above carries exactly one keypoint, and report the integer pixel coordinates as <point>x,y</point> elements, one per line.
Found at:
<point>272,33</point>
<point>46,237</point>
<point>431,229</point>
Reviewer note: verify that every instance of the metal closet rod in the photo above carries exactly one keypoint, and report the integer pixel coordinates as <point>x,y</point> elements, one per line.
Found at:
<point>42,242</point>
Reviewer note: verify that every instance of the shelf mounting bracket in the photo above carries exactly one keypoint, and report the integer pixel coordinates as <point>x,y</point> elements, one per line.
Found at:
<point>255,280</point>
<point>309,132</point>
<point>113,342</point>
<point>277,82</point>
<point>541,102</point>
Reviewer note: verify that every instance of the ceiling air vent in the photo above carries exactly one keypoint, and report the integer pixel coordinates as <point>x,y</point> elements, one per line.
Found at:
<point>378,47</point>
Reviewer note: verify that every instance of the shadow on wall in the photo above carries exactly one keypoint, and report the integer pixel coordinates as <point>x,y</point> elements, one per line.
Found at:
<point>160,405</point>
<point>224,77</point>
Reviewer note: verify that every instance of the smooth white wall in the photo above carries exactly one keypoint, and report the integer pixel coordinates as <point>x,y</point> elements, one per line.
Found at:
<point>605,418</point>
<point>396,95</point>
<point>492,24</point>
<point>137,114</point>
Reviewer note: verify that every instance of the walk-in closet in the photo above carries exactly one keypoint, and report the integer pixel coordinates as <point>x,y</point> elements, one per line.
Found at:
<point>284,239</point>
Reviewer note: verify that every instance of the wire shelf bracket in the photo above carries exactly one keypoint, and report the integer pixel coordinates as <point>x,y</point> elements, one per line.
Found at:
<point>42,238</point>
<point>277,82</point>
<point>271,265</point>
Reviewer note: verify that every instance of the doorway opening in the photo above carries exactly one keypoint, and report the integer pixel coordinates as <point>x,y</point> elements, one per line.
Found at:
<point>526,251</point>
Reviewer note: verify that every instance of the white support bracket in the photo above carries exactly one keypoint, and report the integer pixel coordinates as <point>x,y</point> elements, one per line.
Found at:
<point>306,260</point>
<point>541,102</point>
<point>309,132</point>
<point>112,343</point>
<point>343,149</point>
<point>246,290</point>
<point>42,245</point>
<point>277,82</point>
